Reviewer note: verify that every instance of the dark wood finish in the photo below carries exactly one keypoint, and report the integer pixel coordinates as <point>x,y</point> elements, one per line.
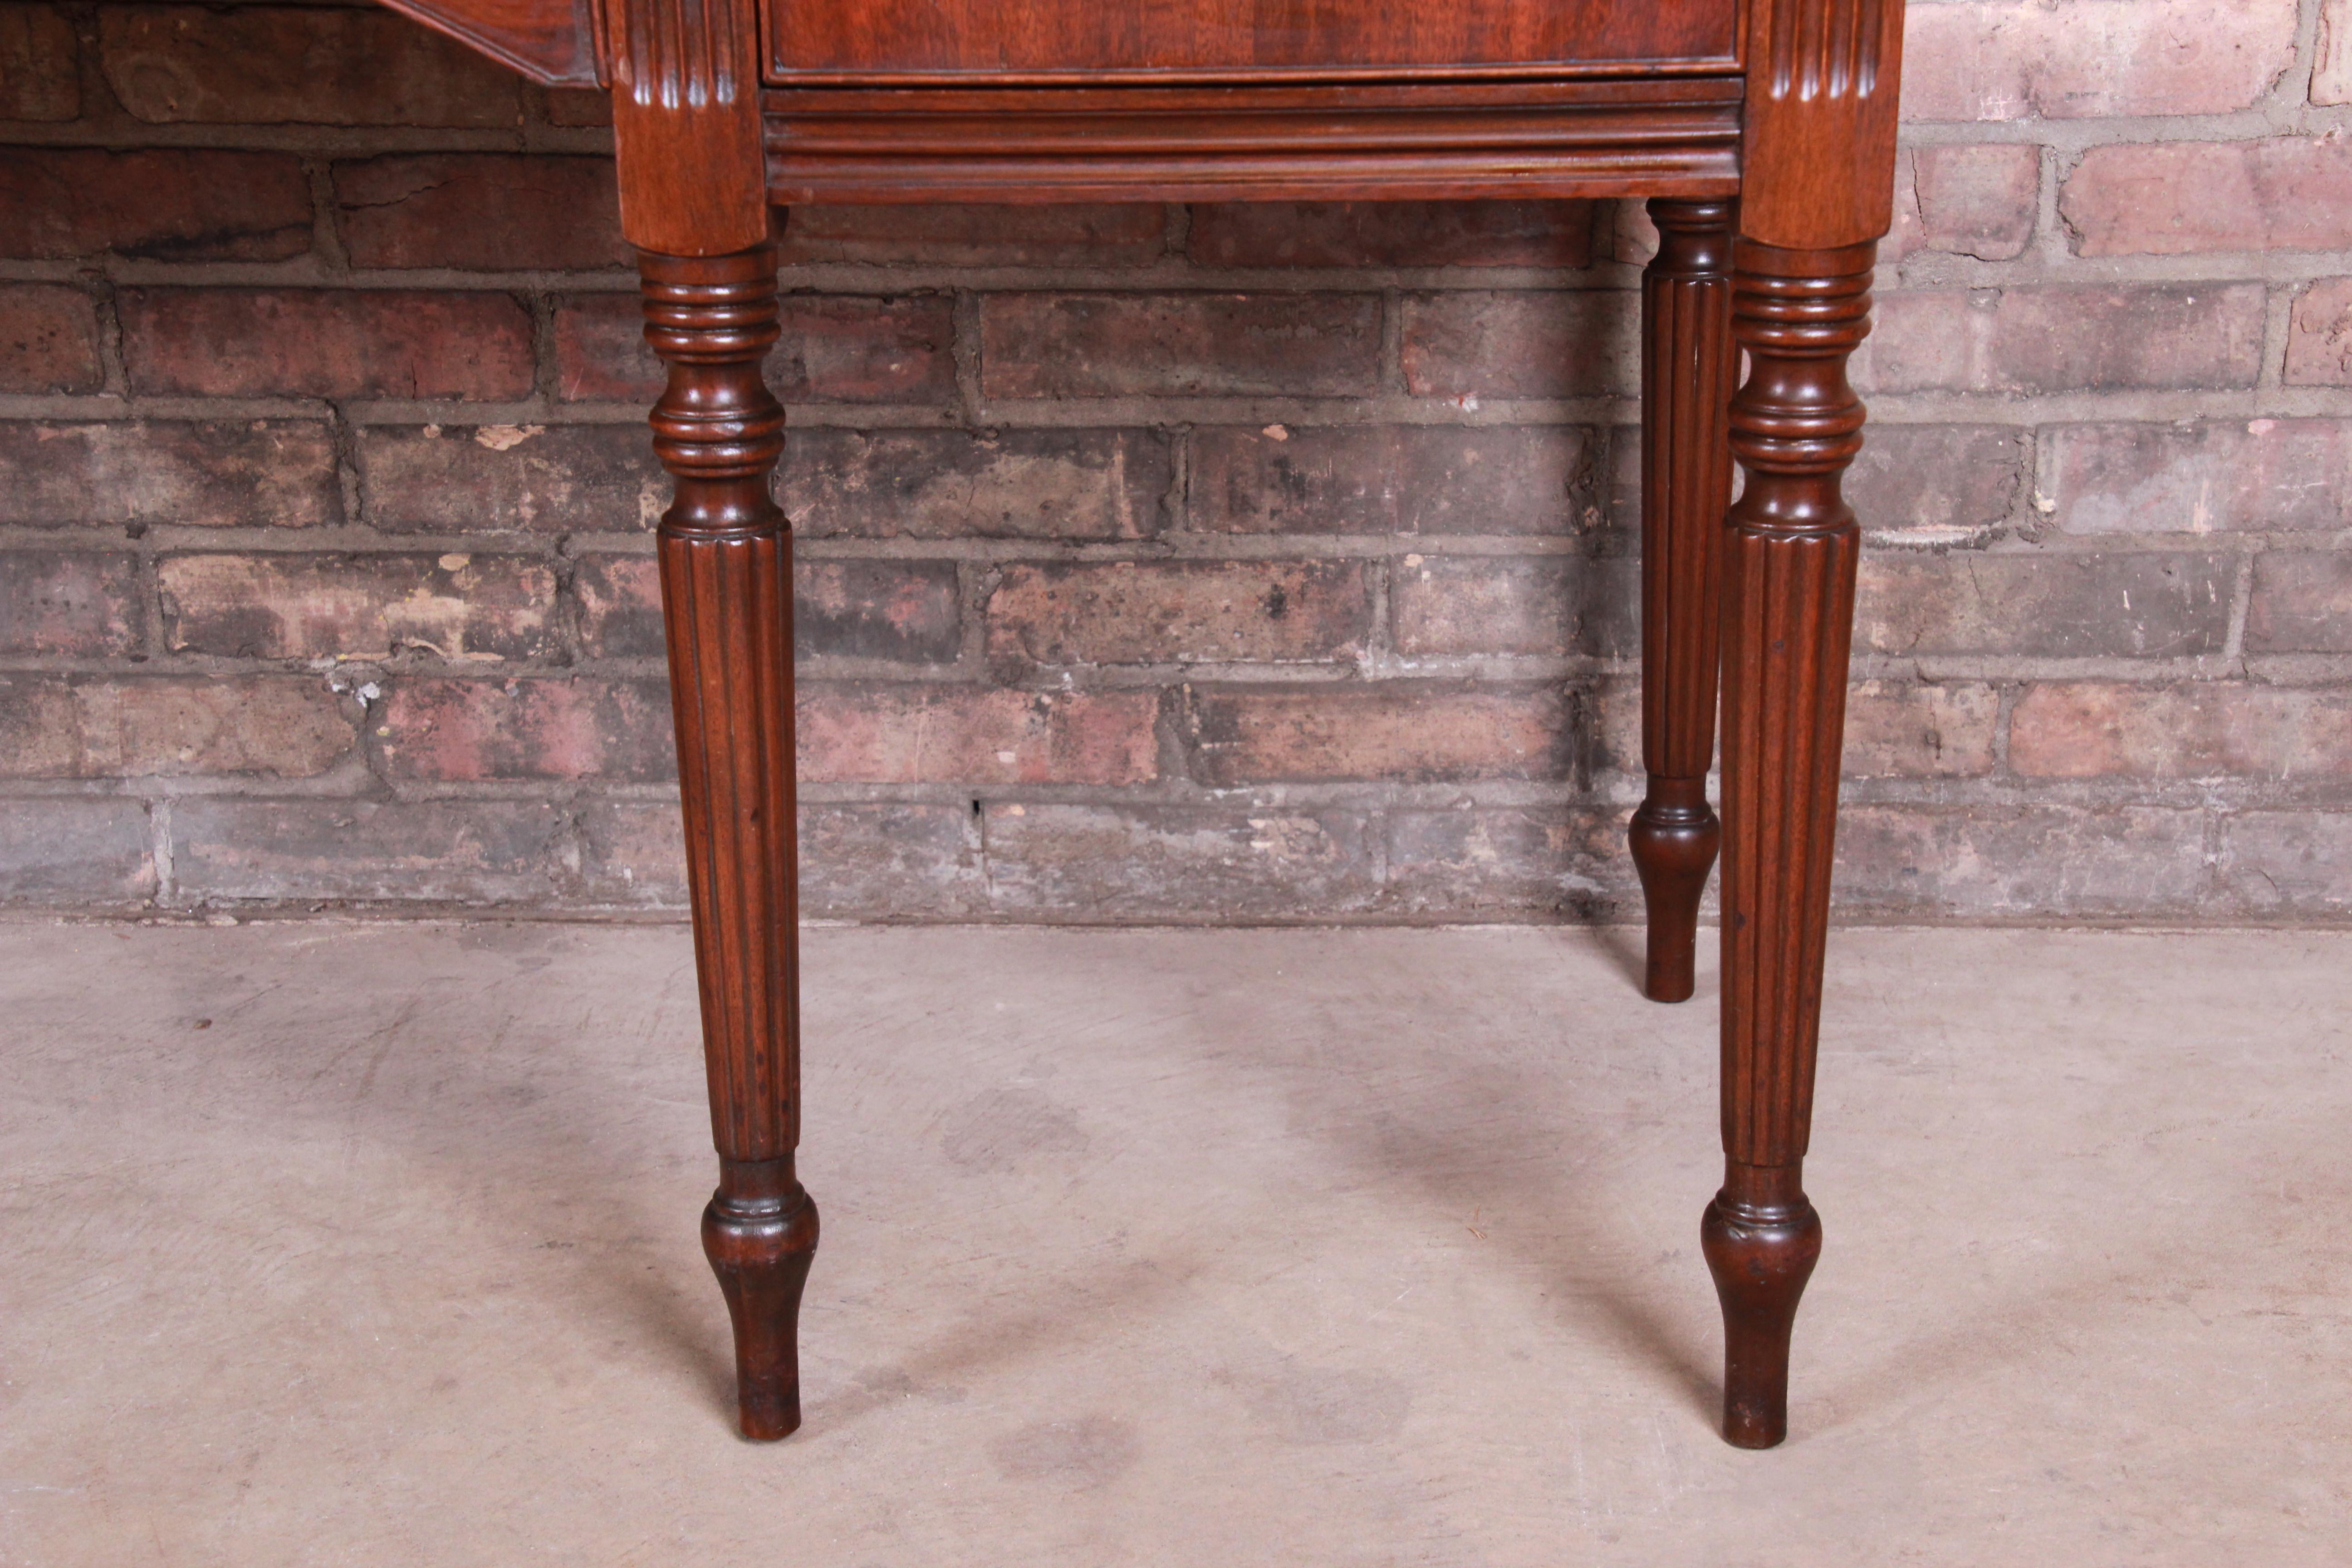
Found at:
<point>1688,363</point>
<point>1788,105</point>
<point>727,595</point>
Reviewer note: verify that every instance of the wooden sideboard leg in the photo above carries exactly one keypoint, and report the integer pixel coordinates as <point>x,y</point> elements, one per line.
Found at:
<point>725,576</point>
<point>1788,574</point>
<point>1688,362</point>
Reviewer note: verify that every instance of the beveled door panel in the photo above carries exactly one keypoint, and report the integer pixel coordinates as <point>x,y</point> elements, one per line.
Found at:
<point>1009,42</point>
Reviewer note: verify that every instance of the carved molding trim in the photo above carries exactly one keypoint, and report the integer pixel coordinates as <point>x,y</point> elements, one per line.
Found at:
<point>1818,155</point>
<point>677,55</point>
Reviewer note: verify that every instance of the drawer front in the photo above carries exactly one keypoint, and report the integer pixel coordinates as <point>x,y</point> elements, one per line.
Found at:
<point>1008,42</point>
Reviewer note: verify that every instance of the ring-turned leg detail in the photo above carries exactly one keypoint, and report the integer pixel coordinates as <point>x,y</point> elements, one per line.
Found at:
<point>725,576</point>
<point>1788,620</point>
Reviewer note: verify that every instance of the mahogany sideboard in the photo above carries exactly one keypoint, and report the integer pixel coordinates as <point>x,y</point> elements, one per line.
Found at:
<point>1762,131</point>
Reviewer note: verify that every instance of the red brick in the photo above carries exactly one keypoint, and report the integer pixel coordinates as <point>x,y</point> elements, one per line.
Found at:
<point>297,65</point>
<point>2331,73</point>
<point>1467,346</point>
<point>160,203</point>
<point>1392,234</point>
<point>579,106</point>
<point>2302,603</point>
<point>357,606</point>
<point>620,606</point>
<point>59,726</point>
<point>953,233</point>
<point>2221,477</point>
<point>40,75</point>
<point>899,612</point>
<point>1396,731</point>
<point>1390,479</point>
<point>539,479</point>
<point>430,851</point>
<point>466,731</point>
<point>1476,863</point>
<point>67,851</point>
<point>1126,612</point>
<point>2176,198</point>
<point>1555,604</point>
<point>972,736</point>
<point>1120,345</point>
<point>326,342</point>
<point>1969,604</point>
<point>1900,729</point>
<point>960,484</point>
<point>1978,200</point>
<point>2039,861</point>
<point>482,212</point>
<point>232,473</point>
<point>836,349</point>
<point>68,603</point>
<point>1939,483</point>
<point>48,338</point>
<point>2319,335</point>
<point>1121,865</point>
<point>2081,729</point>
<point>2016,59</point>
<point>2044,339</point>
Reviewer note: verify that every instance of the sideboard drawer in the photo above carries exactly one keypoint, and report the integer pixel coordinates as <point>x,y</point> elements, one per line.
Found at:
<point>1011,42</point>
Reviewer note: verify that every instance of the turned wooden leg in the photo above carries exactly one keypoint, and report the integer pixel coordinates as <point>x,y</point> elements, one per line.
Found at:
<point>725,576</point>
<point>1788,618</point>
<point>1688,362</point>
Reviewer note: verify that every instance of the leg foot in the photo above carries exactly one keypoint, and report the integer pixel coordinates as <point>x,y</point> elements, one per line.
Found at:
<point>1674,837</point>
<point>1762,1239</point>
<point>760,1234</point>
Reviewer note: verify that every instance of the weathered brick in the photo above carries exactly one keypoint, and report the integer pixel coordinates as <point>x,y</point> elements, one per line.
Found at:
<point>161,203</point>
<point>540,479</point>
<point>48,338</point>
<point>1128,612</point>
<point>1977,200</point>
<point>2331,73</point>
<point>1403,731</point>
<point>70,604</point>
<point>1938,481</point>
<point>1489,863</point>
<point>1124,345</point>
<point>858,861</point>
<point>486,212</point>
<point>957,484</point>
<point>326,342</point>
<point>228,473</point>
<point>1392,234</point>
<point>954,233</point>
<point>1579,344</point>
<point>969,736</point>
<point>59,726</point>
<point>2018,860</point>
<point>357,606</point>
<point>464,731</point>
<point>2302,603</point>
<point>2288,863</point>
<point>2176,198</point>
<point>1902,730</point>
<point>2205,478</point>
<point>40,75</point>
<point>1101,864</point>
<point>579,106</point>
<point>434,851</point>
<point>632,852</point>
<point>904,612</point>
<point>2090,728</point>
<point>2052,339</point>
<point>1558,605</point>
<point>67,851</point>
<point>2319,335</point>
<point>2159,606</point>
<point>2016,59</point>
<point>620,606</point>
<point>307,65</point>
<point>835,348</point>
<point>1389,479</point>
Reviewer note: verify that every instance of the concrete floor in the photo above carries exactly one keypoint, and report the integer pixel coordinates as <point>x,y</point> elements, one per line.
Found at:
<point>375,1245</point>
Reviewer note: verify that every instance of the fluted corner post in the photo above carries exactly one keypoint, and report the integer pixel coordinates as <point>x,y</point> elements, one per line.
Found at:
<point>1688,363</point>
<point>1787,619</point>
<point>726,577</point>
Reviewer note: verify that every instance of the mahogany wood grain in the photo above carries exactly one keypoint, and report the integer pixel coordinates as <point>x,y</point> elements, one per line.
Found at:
<point>1688,365</point>
<point>1818,162</point>
<point>726,577</point>
<point>686,124</point>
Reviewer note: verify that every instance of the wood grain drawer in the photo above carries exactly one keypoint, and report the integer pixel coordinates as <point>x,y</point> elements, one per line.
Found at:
<point>1019,42</point>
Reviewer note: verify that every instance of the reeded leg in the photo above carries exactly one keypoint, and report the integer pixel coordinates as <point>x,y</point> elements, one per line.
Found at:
<point>726,575</point>
<point>1688,364</point>
<point>1788,617</point>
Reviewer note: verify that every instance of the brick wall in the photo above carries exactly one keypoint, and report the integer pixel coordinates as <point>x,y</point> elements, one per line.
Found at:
<point>1228,561</point>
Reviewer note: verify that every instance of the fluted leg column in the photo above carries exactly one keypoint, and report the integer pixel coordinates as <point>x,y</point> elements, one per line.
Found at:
<point>1688,362</point>
<point>1788,617</point>
<point>726,575</point>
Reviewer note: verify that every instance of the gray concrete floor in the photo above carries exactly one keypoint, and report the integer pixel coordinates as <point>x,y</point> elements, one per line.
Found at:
<point>375,1245</point>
